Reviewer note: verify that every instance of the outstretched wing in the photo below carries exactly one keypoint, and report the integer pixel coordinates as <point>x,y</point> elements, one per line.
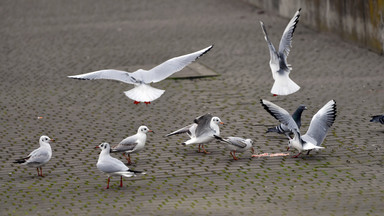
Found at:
<point>110,74</point>
<point>320,123</point>
<point>187,129</point>
<point>272,50</point>
<point>286,39</point>
<point>280,114</point>
<point>169,67</point>
<point>203,124</point>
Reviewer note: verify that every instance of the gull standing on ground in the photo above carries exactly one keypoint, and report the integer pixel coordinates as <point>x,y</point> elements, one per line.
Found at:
<point>143,92</point>
<point>112,166</point>
<point>283,129</point>
<point>38,157</point>
<point>201,131</point>
<point>132,144</point>
<point>280,68</point>
<point>378,118</point>
<point>237,144</point>
<point>317,131</point>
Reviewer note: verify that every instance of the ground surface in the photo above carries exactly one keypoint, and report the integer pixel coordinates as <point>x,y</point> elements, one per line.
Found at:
<point>42,42</point>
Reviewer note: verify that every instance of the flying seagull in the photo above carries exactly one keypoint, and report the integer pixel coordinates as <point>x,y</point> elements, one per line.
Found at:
<point>236,144</point>
<point>112,166</point>
<point>318,128</point>
<point>280,68</point>
<point>132,144</point>
<point>201,131</point>
<point>283,129</point>
<point>38,157</point>
<point>143,92</point>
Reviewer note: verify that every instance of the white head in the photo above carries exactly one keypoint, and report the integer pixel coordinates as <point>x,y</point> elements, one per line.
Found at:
<point>216,120</point>
<point>45,139</point>
<point>143,129</point>
<point>249,141</point>
<point>104,147</point>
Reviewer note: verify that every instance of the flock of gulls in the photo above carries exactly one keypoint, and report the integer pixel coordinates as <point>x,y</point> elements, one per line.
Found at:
<point>205,128</point>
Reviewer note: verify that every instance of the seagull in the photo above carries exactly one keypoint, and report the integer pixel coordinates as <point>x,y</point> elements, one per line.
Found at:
<point>237,144</point>
<point>201,131</point>
<point>38,157</point>
<point>283,129</point>
<point>143,92</point>
<point>132,144</point>
<point>280,68</point>
<point>318,128</point>
<point>112,166</point>
<point>378,118</point>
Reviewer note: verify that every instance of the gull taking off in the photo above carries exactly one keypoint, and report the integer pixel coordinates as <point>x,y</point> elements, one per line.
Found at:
<point>201,131</point>
<point>132,144</point>
<point>143,92</point>
<point>280,68</point>
<point>38,157</point>
<point>112,166</point>
<point>317,131</point>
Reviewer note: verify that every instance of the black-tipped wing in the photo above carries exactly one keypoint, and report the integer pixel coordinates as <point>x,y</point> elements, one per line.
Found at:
<point>203,124</point>
<point>169,67</point>
<point>110,74</point>
<point>286,39</point>
<point>272,50</point>
<point>280,114</point>
<point>187,129</point>
<point>320,123</point>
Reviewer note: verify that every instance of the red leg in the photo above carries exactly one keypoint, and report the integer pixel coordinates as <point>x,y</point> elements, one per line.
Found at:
<point>199,151</point>
<point>121,181</point>
<point>297,155</point>
<point>38,173</point>
<point>147,102</point>
<point>205,151</point>
<point>274,95</point>
<point>109,178</point>
<point>234,155</point>
<point>136,102</point>
<point>252,150</point>
<point>128,158</point>
<point>288,148</point>
<point>41,172</point>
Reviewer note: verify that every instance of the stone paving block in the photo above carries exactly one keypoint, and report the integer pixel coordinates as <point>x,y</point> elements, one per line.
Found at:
<point>43,42</point>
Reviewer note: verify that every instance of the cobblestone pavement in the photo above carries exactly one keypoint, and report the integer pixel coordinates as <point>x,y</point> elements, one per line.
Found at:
<point>44,41</point>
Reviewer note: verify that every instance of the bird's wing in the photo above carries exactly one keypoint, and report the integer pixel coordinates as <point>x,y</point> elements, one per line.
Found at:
<point>378,118</point>
<point>111,74</point>
<point>39,155</point>
<point>280,114</point>
<point>320,123</point>
<point>272,50</point>
<point>111,165</point>
<point>126,144</point>
<point>286,39</point>
<point>237,141</point>
<point>203,124</point>
<point>186,129</point>
<point>169,67</point>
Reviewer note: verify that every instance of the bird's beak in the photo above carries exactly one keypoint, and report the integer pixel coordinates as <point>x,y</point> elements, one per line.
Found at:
<point>222,123</point>
<point>52,140</point>
<point>151,131</point>
<point>96,147</point>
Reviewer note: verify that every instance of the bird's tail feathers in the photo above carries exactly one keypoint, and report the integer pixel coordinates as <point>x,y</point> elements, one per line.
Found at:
<point>144,93</point>
<point>274,129</point>
<point>284,86</point>
<point>20,161</point>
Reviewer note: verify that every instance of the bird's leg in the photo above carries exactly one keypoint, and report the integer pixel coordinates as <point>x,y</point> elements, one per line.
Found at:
<point>234,155</point>
<point>309,151</point>
<point>41,172</point>
<point>109,178</point>
<point>121,181</point>
<point>38,173</point>
<point>297,155</point>
<point>128,158</point>
<point>199,151</point>
<point>252,150</point>
<point>205,151</point>
<point>274,95</point>
<point>136,102</point>
<point>147,102</point>
<point>288,148</point>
